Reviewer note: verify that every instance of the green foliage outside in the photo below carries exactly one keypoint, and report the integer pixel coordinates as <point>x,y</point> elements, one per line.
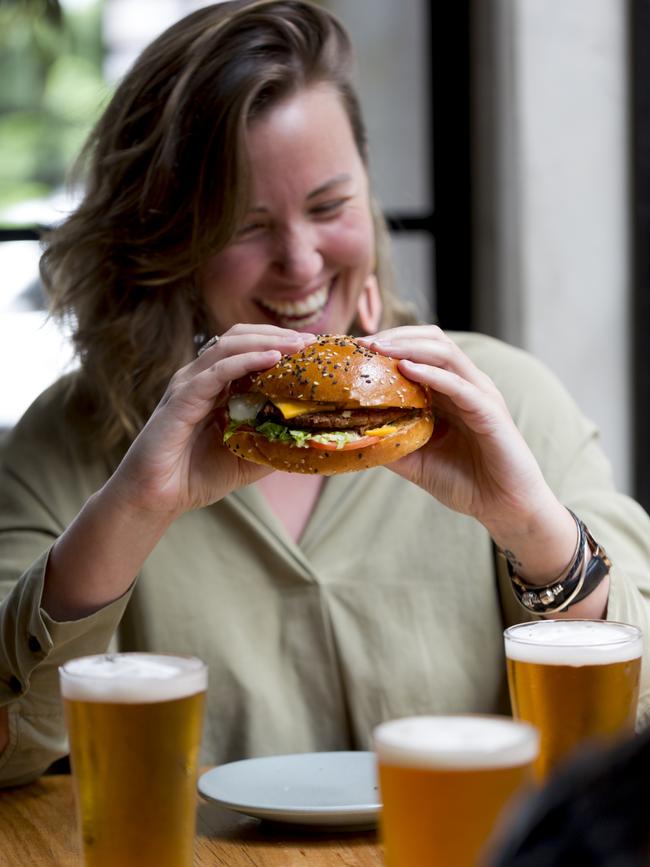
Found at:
<point>51,92</point>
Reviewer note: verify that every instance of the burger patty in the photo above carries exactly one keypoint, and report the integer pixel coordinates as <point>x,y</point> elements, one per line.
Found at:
<point>342,419</point>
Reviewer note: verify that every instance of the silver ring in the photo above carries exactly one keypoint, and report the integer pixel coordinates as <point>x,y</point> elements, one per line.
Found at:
<point>211,342</point>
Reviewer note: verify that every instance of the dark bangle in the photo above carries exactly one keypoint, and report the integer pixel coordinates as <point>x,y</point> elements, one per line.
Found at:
<point>597,569</point>
<point>581,579</point>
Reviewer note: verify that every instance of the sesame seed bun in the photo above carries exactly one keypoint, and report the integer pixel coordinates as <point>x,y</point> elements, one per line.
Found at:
<point>337,369</point>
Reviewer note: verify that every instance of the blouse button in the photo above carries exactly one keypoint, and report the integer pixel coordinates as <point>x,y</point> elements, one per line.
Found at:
<point>34,644</point>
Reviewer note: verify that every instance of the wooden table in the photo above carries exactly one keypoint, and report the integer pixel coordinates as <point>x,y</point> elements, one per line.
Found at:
<point>38,829</point>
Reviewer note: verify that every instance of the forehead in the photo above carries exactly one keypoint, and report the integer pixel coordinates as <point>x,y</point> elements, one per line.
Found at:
<point>309,129</point>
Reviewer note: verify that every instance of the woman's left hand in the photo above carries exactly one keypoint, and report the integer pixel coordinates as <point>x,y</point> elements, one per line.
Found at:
<point>477,462</point>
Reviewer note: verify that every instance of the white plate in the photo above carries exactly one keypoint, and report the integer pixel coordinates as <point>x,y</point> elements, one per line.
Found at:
<point>334,789</point>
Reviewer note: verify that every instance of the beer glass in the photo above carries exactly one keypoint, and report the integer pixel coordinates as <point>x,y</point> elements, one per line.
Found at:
<point>576,680</point>
<point>134,721</point>
<point>445,782</point>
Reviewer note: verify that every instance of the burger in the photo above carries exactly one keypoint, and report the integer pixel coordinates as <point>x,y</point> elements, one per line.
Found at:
<point>334,407</point>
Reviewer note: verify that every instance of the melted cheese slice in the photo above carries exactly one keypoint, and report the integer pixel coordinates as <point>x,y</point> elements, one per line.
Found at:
<point>383,431</point>
<point>292,408</point>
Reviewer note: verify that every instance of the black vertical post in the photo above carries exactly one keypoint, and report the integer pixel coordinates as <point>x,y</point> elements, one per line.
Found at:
<point>640,86</point>
<point>450,88</point>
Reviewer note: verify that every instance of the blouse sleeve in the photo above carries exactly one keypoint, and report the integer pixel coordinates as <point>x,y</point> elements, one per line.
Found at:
<point>32,646</point>
<point>568,450</point>
<point>42,487</point>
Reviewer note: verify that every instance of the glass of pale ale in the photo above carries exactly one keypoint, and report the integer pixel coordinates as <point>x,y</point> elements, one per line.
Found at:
<point>446,783</point>
<point>134,722</point>
<point>576,680</point>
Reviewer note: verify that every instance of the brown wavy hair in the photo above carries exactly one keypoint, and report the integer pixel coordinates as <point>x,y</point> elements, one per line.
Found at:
<point>166,182</point>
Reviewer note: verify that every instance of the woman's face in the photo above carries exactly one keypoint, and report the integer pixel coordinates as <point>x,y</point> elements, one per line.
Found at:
<point>303,257</point>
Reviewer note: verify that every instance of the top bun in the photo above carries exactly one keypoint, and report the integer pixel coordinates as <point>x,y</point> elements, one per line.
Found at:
<point>337,369</point>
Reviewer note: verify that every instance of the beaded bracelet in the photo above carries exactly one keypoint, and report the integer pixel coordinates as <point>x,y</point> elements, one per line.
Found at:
<point>577,581</point>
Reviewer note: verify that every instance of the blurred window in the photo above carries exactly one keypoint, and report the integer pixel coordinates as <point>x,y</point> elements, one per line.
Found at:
<point>51,90</point>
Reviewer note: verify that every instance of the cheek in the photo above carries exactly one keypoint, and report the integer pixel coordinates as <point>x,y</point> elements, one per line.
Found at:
<point>228,275</point>
<point>352,243</point>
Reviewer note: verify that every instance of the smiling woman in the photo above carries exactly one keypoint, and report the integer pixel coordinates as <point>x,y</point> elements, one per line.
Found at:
<point>228,194</point>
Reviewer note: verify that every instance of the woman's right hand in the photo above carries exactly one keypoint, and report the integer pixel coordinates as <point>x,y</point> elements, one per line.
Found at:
<point>178,461</point>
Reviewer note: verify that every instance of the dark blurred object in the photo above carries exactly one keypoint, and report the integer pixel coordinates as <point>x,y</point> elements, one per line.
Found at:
<point>60,766</point>
<point>592,813</point>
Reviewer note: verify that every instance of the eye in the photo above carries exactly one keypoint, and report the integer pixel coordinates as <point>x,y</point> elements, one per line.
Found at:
<point>250,229</point>
<point>331,207</point>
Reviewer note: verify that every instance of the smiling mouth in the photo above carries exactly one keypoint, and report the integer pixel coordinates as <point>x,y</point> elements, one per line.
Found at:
<point>301,313</point>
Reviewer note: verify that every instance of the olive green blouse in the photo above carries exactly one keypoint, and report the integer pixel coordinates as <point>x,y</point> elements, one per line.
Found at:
<point>390,604</point>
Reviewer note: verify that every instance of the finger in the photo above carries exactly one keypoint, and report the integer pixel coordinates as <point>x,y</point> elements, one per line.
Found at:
<point>243,341</point>
<point>439,353</point>
<point>476,408</point>
<point>433,332</point>
<point>261,328</point>
<point>267,331</point>
<point>194,397</point>
<point>251,342</point>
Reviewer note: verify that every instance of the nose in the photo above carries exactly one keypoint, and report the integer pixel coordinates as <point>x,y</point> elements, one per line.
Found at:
<point>297,253</point>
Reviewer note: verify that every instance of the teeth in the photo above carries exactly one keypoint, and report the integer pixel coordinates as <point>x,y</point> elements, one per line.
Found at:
<point>306,307</point>
<point>299,322</point>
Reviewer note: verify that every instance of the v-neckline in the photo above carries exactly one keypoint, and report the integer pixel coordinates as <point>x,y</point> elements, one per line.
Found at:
<point>293,498</point>
<point>332,494</point>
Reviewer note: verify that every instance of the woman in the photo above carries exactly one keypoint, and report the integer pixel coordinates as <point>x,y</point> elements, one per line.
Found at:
<point>228,195</point>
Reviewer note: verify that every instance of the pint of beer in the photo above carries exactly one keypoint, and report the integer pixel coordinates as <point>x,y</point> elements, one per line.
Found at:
<point>134,722</point>
<point>576,680</point>
<point>445,785</point>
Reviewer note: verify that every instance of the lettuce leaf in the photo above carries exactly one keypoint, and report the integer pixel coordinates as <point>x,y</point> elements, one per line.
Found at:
<point>232,427</point>
<point>300,438</point>
<point>273,431</point>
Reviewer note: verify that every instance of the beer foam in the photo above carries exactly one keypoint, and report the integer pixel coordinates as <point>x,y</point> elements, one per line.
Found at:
<point>462,742</point>
<point>132,677</point>
<point>573,642</point>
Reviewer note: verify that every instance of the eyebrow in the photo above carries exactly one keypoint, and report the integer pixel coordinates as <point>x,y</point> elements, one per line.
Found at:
<point>333,182</point>
<point>323,188</point>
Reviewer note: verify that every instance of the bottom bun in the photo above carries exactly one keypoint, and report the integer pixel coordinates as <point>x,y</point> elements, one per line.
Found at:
<point>293,459</point>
